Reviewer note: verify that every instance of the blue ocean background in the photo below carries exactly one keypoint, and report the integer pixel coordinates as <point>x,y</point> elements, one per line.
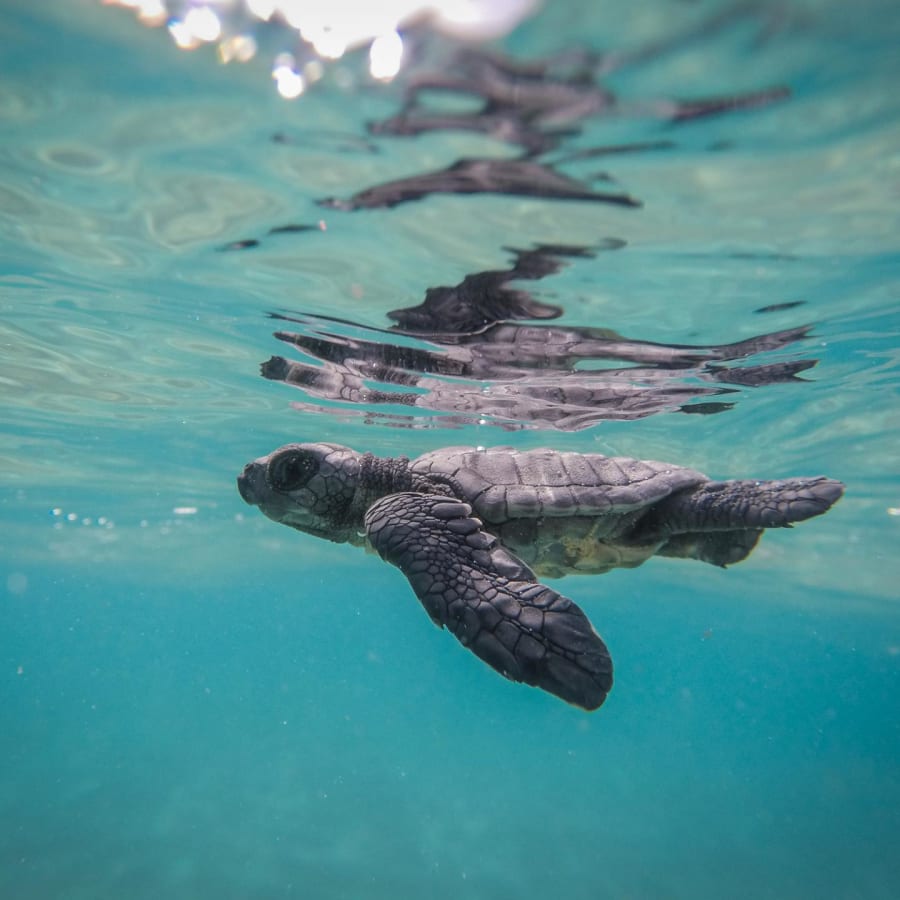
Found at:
<point>196,702</point>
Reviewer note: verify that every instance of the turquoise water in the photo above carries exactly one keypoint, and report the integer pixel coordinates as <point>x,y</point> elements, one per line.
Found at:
<point>198,702</point>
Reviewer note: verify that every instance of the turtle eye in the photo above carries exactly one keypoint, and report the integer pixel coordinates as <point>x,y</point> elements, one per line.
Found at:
<point>291,471</point>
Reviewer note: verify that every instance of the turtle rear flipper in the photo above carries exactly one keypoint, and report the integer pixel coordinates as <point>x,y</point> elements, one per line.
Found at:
<point>721,548</point>
<point>739,506</point>
<point>489,599</point>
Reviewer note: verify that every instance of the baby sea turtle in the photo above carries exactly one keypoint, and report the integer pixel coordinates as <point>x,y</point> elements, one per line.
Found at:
<point>472,529</point>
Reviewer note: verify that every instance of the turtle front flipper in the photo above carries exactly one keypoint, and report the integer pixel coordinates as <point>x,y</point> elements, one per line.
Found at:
<point>489,598</point>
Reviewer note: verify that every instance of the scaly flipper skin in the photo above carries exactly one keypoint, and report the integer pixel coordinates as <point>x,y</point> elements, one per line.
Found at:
<point>735,505</point>
<point>489,599</point>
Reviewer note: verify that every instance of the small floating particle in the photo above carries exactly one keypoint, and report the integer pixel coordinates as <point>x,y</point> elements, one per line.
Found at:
<point>893,510</point>
<point>185,510</point>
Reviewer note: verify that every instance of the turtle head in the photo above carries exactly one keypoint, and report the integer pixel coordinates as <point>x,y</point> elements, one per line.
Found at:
<point>310,487</point>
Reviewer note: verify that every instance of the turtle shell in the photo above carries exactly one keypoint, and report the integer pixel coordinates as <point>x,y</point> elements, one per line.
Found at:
<point>561,513</point>
<point>503,484</point>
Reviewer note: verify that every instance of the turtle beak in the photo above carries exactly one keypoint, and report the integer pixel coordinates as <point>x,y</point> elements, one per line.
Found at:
<point>245,484</point>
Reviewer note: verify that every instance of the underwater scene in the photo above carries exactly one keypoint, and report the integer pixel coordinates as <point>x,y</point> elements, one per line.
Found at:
<point>450,450</point>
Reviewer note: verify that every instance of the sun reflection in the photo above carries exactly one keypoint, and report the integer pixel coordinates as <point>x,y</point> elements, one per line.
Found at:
<point>200,25</point>
<point>182,36</point>
<point>325,29</point>
<point>288,80</point>
<point>262,9</point>
<point>238,47</point>
<point>385,55</point>
<point>327,40</point>
<point>150,12</point>
<point>203,23</point>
